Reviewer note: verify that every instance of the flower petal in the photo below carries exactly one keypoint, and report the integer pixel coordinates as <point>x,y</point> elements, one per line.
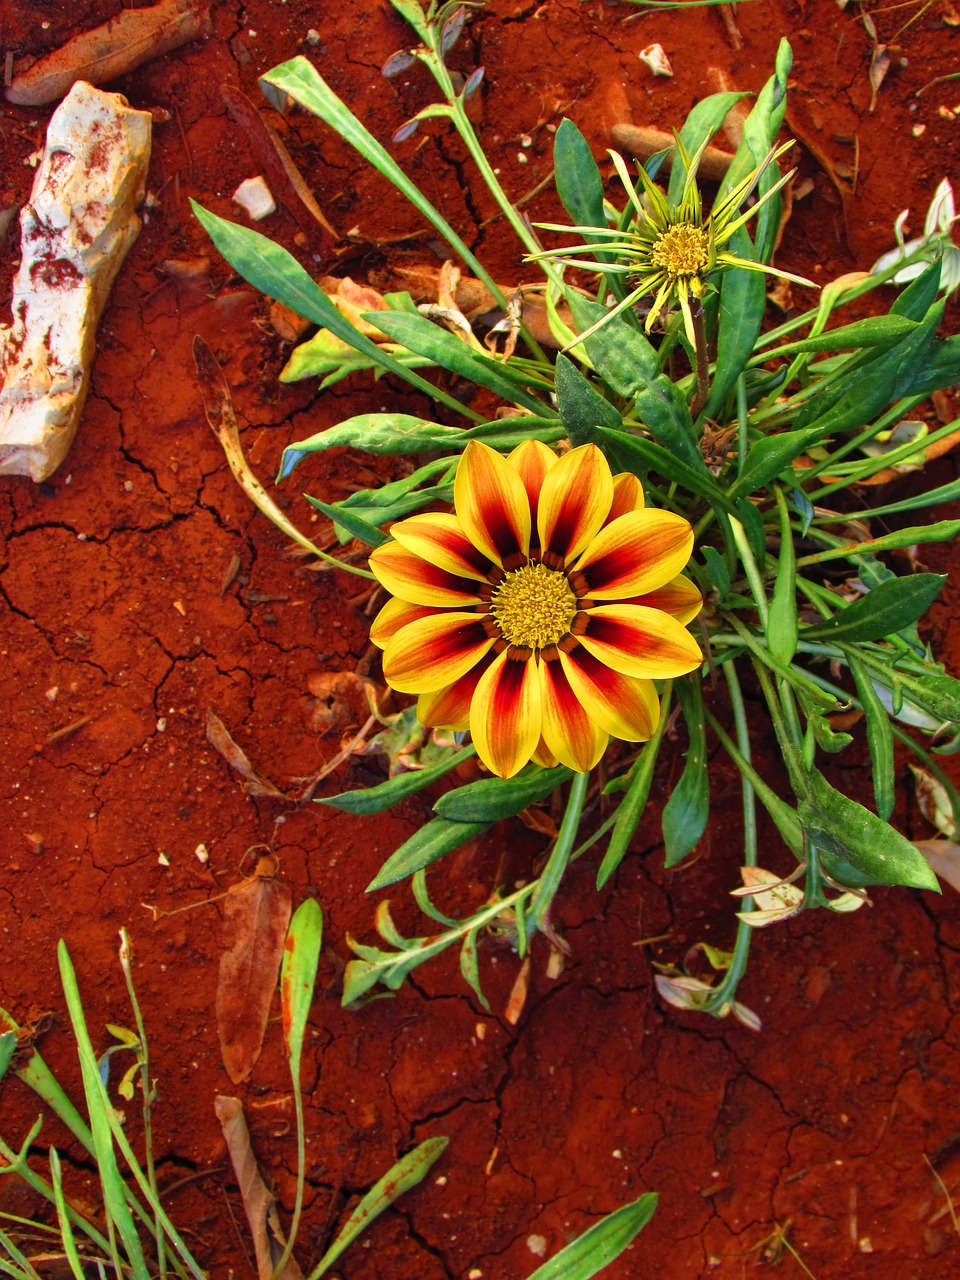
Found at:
<point>627,495</point>
<point>679,597</point>
<point>505,714</point>
<point>449,708</point>
<point>544,757</point>
<point>574,502</point>
<point>492,504</point>
<point>431,653</point>
<point>568,732</point>
<point>622,706</point>
<point>531,461</point>
<point>439,539</point>
<point>636,553</point>
<point>419,581</point>
<point>640,642</point>
<point>394,615</point>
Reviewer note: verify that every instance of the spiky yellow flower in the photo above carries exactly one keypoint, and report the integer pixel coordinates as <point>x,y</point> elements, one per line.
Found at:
<point>539,614</point>
<point>670,251</point>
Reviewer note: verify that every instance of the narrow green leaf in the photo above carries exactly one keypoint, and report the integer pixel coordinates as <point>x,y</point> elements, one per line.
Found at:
<point>386,433</point>
<point>688,807</point>
<point>426,845</point>
<point>408,1171</point>
<point>8,1045</point>
<point>444,348</point>
<point>884,611</point>
<point>876,331</point>
<point>582,408</point>
<point>942,531</point>
<point>578,182</point>
<point>470,965</point>
<point>298,974</point>
<point>619,352</point>
<point>879,739</point>
<point>584,1257</point>
<point>841,827</point>
<point>352,524</point>
<point>492,798</point>
<point>633,453</point>
<point>275,272</point>
<point>782,625</point>
<point>770,457</point>
<point>663,410</point>
<point>920,294</point>
<point>63,1218</point>
<point>742,305</point>
<point>384,794</point>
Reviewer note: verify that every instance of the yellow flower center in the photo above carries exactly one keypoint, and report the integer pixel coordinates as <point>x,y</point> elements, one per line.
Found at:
<point>533,606</point>
<point>682,250</point>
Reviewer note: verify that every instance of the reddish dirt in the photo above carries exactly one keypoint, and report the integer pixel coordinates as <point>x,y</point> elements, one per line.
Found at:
<point>117,607</point>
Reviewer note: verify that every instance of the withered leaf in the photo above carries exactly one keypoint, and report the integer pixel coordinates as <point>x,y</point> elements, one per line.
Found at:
<point>254,784</point>
<point>255,919</point>
<point>259,1202</point>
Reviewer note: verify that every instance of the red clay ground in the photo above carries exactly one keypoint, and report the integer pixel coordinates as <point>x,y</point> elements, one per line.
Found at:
<point>118,606</point>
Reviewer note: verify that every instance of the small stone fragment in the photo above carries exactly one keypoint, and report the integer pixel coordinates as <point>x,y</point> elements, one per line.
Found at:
<point>75,231</point>
<point>655,58</point>
<point>254,198</point>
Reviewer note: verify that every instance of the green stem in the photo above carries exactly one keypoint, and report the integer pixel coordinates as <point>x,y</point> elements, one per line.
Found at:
<point>750,569</point>
<point>552,874</point>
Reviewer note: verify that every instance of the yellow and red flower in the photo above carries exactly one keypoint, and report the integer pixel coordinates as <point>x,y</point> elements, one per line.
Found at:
<point>539,615</point>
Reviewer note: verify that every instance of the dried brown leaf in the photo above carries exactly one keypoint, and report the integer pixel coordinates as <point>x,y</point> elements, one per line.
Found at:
<point>256,915</point>
<point>943,857</point>
<point>259,1202</point>
<point>253,783</point>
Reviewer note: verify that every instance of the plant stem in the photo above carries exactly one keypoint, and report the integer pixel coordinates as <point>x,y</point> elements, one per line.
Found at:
<point>703,361</point>
<point>552,873</point>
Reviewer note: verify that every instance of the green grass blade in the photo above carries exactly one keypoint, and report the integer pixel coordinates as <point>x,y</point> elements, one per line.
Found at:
<point>406,1173</point>
<point>602,1243</point>
<point>66,1231</point>
<point>99,1108</point>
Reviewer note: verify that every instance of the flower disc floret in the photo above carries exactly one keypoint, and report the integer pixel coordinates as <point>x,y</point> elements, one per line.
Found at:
<point>533,607</point>
<point>682,250</point>
<point>538,615</point>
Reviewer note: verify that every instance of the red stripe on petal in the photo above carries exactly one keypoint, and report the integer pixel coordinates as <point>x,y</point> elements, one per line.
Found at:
<point>636,554</point>
<point>417,581</point>
<point>394,615</point>
<point>492,504</point>
<point>568,731</point>
<point>439,539</point>
<point>531,461</point>
<point>639,642</point>
<point>627,495</point>
<point>449,708</point>
<point>433,652</point>
<point>574,503</point>
<point>505,714</point>
<point>623,706</point>
<point>679,597</point>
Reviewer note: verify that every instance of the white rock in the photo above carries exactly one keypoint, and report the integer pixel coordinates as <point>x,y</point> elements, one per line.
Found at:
<point>74,234</point>
<point>254,198</point>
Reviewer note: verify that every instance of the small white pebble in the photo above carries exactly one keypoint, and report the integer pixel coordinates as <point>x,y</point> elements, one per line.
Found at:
<point>313,36</point>
<point>128,485</point>
<point>919,130</point>
<point>203,853</point>
<point>526,140</point>
<point>521,157</point>
<point>161,724</point>
<point>441,1181</point>
<point>537,1245</point>
<point>51,694</point>
<point>254,198</point>
<point>163,859</point>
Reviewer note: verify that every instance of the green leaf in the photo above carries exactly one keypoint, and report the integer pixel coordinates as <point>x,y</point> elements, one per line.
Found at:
<point>355,526</point>
<point>582,408</point>
<point>844,829</point>
<point>329,358</point>
<point>884,611</point>
<point>879,738</point>
<point>408,1171</point>
<point>430,842</point>
<point>717,573</point>
<point>742,305</point>
<point>920,294</point>
<point>275,272</point>
<point>386,433</point>
<point>703,122</point>
<point>492,798</point>
<point>578,182</point>
<point>631,807</point>
<point>8,1045</point>
<point>876,331</point>
<point>506,433</point>
<point>782,625</point>
<point>298,974</point>
<point>384,794</point>
<point>770,457</point>
<point>601,1244</point>
<point>663,410</point>
<point>444,348</point>
<point>632,453</point>
<point>686,812</point>
<point>619,352</point>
